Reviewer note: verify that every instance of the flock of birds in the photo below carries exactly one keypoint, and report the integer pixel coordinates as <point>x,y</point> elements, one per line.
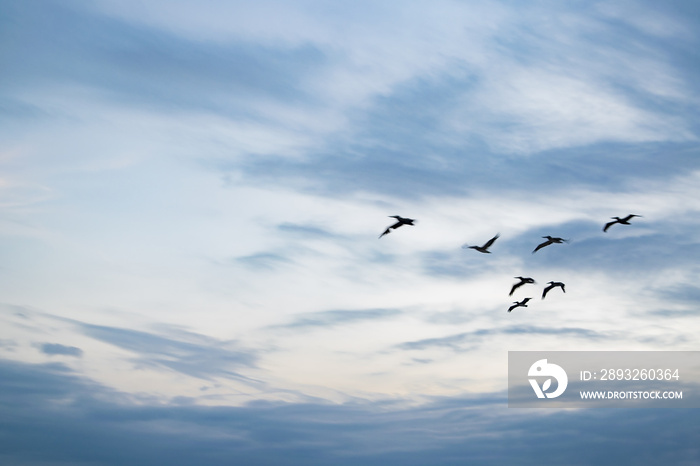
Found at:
<point>484,249</point>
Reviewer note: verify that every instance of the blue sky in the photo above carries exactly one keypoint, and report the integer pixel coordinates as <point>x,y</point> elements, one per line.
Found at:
<point>191,195</point>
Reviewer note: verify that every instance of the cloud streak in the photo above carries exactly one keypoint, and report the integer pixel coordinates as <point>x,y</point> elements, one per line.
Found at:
<point>333,318</point>
<point>263,260</point>
<point>206,359</point>
<point>469,341</point>
<point>55,349</point>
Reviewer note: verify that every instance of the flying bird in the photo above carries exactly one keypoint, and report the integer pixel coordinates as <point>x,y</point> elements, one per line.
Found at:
<point>553,285</point>
<point>400,221</point>
<point>523,280</point>
<point>621,221</point>
<point>485,247</point>
<point>522,303</point>
<point>550,240</point>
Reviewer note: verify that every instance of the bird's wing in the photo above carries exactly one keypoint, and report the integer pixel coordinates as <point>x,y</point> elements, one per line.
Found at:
<point>609,224</point>
<point>546,290</point>
<point>490,242</point>
<point>386,232</point>
<point>515,287</point>
<point>541,245</point>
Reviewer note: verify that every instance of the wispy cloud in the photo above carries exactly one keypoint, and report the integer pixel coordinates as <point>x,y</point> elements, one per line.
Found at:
<point>309,231</point>
<point>128,62</point>
<point>205,358</point>
<point>8,345</point>
<point>338,317</point>
<point>56,349</point>
<point>263,260</point>
<point>469,341</point>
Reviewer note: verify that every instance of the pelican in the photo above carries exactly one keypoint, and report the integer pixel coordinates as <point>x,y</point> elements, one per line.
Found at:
<point>522,303</point>
<point>485,247</point>
<point>522,281</point>
<point>553,285</point>
<point>400,221</point>
<point>550,240</point>
<point>621,221</point>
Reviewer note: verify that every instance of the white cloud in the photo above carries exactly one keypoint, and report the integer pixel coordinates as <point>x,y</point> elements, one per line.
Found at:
<point>528,111</point>
<point>552,85</point>
<point>649,19</point>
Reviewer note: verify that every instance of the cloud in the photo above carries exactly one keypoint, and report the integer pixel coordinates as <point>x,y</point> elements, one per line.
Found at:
<point>475,117</point>
<point>8,345</point>
<point>306,231</point>
<point>204,357</point>
<point>128,61</point>
<point>632,255</point>
<point>338,317</point>
<point>451,264</point>
<point>54,349</point>
<point>50,415</point>
<point>469,341</point>
<point>468,123</point>
<point>263,260</point>
<point>650,22</point>
<point>338,107</point>
<point>677,313</point>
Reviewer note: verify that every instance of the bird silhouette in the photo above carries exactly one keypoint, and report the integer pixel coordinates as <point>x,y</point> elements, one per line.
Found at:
<point>621,221</point>
<point>550,240</point>
<point>553,285</point>
<point>523,280</point>
<point>485,247</point>
<point>400,221</point>
<point>522,303</point>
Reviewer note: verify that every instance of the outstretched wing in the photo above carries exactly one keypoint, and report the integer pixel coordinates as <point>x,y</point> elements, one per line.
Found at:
<point>541,245</point>
<point>394,226</point>
<point>491,241</point>
<point>546,290</point>
<point>609,224</point>
<point>515,287</point>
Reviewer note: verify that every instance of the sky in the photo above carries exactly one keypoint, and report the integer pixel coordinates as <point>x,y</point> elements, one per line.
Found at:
<point>191,198</point>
